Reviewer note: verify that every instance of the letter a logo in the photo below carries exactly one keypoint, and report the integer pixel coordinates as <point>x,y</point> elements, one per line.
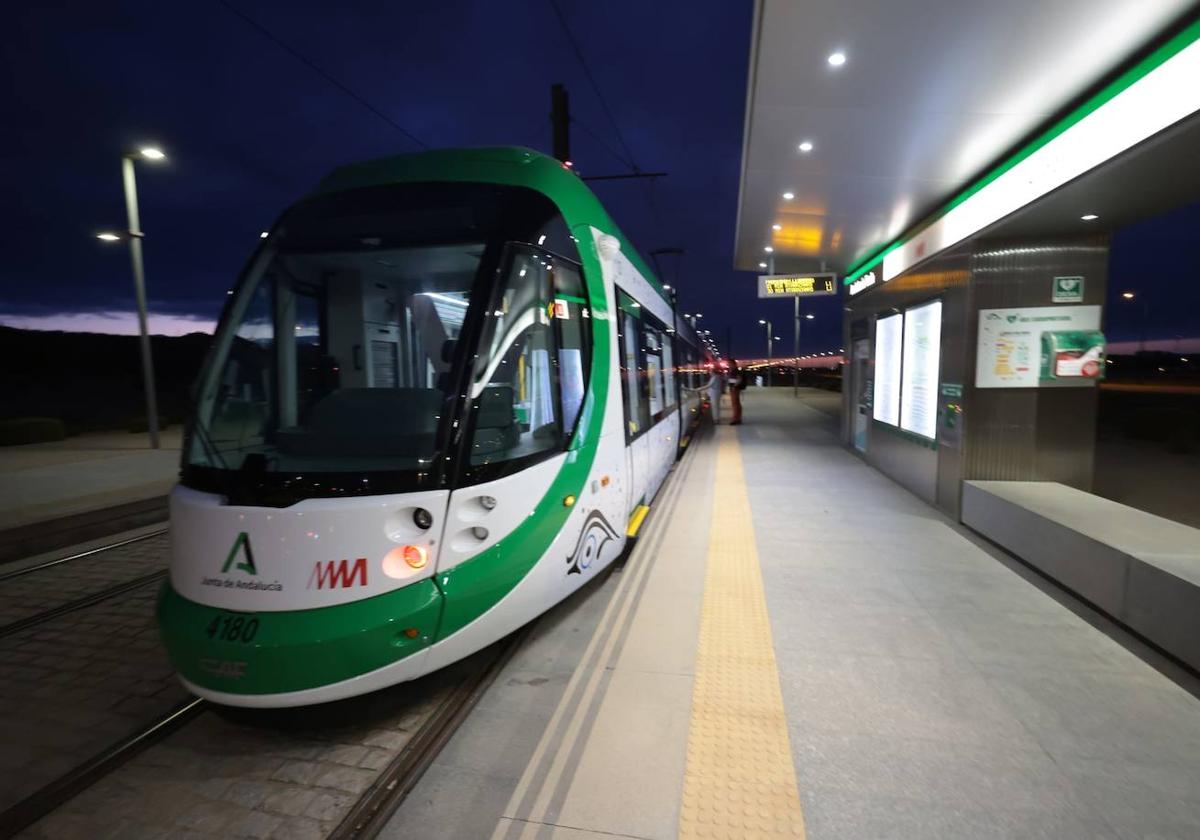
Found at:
<point>241,544</point>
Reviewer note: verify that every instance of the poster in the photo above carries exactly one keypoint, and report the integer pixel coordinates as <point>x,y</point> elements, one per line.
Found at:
<point>887,369</point>
<point>1009,353</point>
<point>919,383</point>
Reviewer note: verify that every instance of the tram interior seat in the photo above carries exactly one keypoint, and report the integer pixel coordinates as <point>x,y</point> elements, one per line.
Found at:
<point>496,427</point>
<point>367,421</point>
<point>443,379</point>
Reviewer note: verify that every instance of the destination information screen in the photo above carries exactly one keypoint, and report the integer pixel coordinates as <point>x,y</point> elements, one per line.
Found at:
<point>796,285</point>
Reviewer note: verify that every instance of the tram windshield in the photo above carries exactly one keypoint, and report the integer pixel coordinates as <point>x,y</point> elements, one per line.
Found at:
<point>349,333</point>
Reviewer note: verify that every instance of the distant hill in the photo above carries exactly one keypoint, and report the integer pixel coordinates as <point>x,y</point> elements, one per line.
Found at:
<point>94,381</point>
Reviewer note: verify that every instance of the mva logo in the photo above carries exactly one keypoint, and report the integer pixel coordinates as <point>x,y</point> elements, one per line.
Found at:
<point>338,574</point>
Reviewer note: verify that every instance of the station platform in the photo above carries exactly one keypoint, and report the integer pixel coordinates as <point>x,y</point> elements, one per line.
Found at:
<point>40,482</point>
<point>799,647</point>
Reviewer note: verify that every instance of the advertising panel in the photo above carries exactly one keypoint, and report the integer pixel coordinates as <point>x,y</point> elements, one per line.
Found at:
<point>887,369</point>
<point>1039,347</point>
<point>919,383</point>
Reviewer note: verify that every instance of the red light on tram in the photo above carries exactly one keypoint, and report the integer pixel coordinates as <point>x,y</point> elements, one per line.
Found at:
<point>403,560</point>
<point>415,556</point>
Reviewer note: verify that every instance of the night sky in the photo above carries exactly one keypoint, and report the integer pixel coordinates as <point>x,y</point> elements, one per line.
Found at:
<point>250,128</point>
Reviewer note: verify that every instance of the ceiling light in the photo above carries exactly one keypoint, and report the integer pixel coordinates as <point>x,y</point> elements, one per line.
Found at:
<point>788,196</point>
<point>776,227</point>
<point>837,59</point>
<point>1089,217</point>
<point>806,146</point>
<point>762,265</point>
<point>769,249</point>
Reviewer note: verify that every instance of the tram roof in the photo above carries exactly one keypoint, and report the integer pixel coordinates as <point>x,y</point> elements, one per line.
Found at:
<point>513,165</point>
<point>933,99</point>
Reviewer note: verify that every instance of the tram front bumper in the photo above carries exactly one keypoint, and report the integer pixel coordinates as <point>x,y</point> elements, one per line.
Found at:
<point>239,655</point>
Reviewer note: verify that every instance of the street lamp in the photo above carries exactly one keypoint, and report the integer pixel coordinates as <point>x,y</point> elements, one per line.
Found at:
<point>1141,354</point>
<point>770,347</point>
<point>134,235</point>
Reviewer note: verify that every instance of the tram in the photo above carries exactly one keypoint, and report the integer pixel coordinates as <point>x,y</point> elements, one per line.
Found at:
<point>439,400</point>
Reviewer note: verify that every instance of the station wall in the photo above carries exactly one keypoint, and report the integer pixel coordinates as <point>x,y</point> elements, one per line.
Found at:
<point>1031,434</point>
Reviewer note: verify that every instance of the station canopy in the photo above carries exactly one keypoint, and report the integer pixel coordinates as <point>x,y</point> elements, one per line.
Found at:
<point>947,117</point>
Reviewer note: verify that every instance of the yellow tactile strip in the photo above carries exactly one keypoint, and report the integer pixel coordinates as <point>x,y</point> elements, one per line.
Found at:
<point>739,781</point>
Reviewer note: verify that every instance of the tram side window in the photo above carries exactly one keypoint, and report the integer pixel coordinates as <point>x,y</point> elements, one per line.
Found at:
<point>635,386</point>
<point>653,342</point>
<point>525,391</point>
<point>668,372</point>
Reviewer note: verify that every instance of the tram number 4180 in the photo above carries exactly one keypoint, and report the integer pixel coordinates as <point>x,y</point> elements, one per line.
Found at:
<point>226,629</point>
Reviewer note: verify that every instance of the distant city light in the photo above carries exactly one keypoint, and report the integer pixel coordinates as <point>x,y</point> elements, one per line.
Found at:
<point>762,265</point>
<point>1089,217</point>
<point>108,237</point>
<point>262,235</point>
<point>810,316</point>
<point>151,153</point>
<point>777,227</point>
<point>1127,295</point>
<point>837,59</point>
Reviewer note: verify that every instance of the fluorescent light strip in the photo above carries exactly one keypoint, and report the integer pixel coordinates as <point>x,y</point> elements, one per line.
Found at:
<point>453,301</point>
<point>1164,96</point>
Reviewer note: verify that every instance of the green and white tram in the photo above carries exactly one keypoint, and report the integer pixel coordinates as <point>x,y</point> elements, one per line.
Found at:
<point>437,402</point>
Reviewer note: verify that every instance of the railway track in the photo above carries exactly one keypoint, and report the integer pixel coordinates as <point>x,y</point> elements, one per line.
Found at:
<point>59,579</point>
<point>363,819</point>
<point>70,558</point>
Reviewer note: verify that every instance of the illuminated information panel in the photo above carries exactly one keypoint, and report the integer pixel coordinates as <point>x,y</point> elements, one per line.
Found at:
<point>922,355</point>
<point>796,285</point>
<point>887,369</point>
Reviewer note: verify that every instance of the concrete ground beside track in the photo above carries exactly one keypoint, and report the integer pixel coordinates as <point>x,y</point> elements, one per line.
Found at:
<point>45,481</point>
<point>932,686</point>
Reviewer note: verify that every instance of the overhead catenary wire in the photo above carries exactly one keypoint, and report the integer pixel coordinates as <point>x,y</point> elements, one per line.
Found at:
<point>307,62</point>
<point>570,36</point>
<point>630,161</point>
<point>603,145</point>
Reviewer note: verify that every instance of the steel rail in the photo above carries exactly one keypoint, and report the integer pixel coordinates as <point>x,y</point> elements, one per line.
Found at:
<point>79,556</point>
<point>50,796</point>
<point>81,603</point>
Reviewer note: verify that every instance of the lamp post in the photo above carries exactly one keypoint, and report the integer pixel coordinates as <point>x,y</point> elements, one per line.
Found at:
<point>134,235</point>
<point>1141,354</point>
<point>770,347</point>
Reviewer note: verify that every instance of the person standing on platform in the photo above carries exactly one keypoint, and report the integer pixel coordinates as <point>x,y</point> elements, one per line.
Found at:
<point>713,388</point>
<point>737,381</point>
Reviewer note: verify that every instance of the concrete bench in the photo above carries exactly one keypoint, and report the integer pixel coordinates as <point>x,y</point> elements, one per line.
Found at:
<point>1139,568</point>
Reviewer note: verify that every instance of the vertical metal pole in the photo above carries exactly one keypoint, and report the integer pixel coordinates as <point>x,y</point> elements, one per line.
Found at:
<point>796,349</point>
<point>139,288</point>
<point>560,123</point>
<point>770,351</point>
